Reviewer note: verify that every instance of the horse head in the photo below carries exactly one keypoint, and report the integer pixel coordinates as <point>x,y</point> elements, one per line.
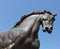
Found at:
<point>47,21</point>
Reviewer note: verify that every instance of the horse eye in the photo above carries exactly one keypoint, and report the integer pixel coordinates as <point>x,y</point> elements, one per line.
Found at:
<point>44,19</point>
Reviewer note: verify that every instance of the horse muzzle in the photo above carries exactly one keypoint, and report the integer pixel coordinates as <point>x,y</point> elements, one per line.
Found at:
<point>49,30</point>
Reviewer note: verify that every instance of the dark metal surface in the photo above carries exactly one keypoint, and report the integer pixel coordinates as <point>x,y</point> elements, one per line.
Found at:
<point>24,35</point>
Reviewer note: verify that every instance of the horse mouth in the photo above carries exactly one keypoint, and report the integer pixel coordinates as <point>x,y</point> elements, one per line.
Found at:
<point>47,30</point>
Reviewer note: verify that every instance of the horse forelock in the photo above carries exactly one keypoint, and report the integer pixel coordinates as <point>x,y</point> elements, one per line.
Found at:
<point>32,13</point>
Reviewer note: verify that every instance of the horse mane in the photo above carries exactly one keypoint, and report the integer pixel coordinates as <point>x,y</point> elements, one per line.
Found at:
<point>32,13</point>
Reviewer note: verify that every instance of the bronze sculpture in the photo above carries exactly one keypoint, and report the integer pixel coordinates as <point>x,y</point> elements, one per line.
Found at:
<point>24,35</point>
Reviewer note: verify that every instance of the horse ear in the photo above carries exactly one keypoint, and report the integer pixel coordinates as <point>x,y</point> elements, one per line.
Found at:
<point>55,15</point>
<point>44,10</point>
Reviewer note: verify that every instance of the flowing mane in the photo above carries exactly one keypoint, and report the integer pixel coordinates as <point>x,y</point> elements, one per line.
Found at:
<point>32,13</point>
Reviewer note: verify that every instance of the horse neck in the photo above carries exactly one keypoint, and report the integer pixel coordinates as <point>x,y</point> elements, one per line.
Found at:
<point>35,29</point>
<point>28,23</point>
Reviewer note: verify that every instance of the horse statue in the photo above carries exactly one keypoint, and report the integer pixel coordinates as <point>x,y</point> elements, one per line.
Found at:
<point>24,35</point>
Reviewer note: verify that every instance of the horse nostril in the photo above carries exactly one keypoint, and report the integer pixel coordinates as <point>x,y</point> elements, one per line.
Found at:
<point>46,28</point>
<point>51,28</point>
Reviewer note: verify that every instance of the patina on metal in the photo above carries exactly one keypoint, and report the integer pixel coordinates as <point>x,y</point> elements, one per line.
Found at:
<point>24,35</point>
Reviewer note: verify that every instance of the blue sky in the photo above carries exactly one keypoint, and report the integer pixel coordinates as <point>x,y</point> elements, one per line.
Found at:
<point>12,10</point>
